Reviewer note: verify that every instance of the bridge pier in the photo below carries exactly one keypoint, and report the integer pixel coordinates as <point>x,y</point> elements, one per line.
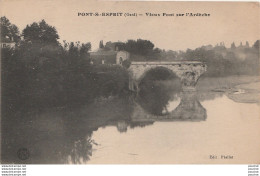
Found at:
<point>189,81</point>
<point>133,85</point>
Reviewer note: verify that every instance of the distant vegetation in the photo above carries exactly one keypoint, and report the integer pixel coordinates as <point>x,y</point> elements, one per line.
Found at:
<point>40,72</point>
<point>221,60</point>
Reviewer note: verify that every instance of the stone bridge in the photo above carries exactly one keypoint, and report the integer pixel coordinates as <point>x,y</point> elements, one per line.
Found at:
<point>188,72</point>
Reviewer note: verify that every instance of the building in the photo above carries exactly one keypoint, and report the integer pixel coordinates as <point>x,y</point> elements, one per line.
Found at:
<point>115,46</point>
<point>107,56</point>
<point>7,43</point>
<point>122,56</point>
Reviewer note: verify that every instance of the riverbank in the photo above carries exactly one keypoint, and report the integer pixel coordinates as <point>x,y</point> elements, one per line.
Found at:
<point>222,84</point>
<point>245,93</point>
<point>241,89</point>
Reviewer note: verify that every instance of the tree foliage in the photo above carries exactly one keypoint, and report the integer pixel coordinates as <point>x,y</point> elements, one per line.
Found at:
<point>40,33</point>
<point>101,45</point>
<point>9,30</point>
<point>142,47</point>
<point>41,73</point>
<point>257,44</point>
<point>233,46</point>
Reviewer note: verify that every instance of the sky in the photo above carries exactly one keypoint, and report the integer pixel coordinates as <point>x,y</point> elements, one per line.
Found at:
<point>228,21</point>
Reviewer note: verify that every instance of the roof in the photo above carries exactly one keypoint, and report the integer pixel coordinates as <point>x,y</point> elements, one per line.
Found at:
<point>103,52</point>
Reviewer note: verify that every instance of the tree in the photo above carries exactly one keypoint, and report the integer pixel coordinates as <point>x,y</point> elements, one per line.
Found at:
<point>9,30</point>
<point>84,50</point>
<point>247,44</point>
<point>256,44</point>
<point>171,55</point>
<point>139,47</point>
<point>101,45</point>
<point>40,43</point>
<point>233,46</point>
<point>40,33</point>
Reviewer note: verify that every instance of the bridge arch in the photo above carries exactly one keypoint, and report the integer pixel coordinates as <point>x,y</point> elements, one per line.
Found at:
<point>159,73</point>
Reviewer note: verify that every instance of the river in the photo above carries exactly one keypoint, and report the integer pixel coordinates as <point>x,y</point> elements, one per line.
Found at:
<point>160,125</point>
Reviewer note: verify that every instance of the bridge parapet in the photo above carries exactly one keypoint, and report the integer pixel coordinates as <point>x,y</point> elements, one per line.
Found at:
<point>167,63</point>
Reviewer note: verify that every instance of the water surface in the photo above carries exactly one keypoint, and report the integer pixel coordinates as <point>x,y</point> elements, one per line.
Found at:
<point>161,124</point>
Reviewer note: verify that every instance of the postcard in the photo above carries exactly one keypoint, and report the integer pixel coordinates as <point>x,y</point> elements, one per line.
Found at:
<point>113,82</point>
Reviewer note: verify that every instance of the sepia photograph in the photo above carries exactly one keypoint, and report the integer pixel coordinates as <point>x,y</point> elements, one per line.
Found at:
<point>113,82</point>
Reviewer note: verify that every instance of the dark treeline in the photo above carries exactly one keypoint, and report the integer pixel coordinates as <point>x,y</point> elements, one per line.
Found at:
<point>39,72</point>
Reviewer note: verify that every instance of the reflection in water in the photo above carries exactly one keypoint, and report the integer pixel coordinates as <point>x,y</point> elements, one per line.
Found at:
<point>158,101</point>
<point>81,151</point>
<point>189,109</point>
<point>172,105</point>
<point>59,136</point>
<point>154,96</point>
<point>66,136</point>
